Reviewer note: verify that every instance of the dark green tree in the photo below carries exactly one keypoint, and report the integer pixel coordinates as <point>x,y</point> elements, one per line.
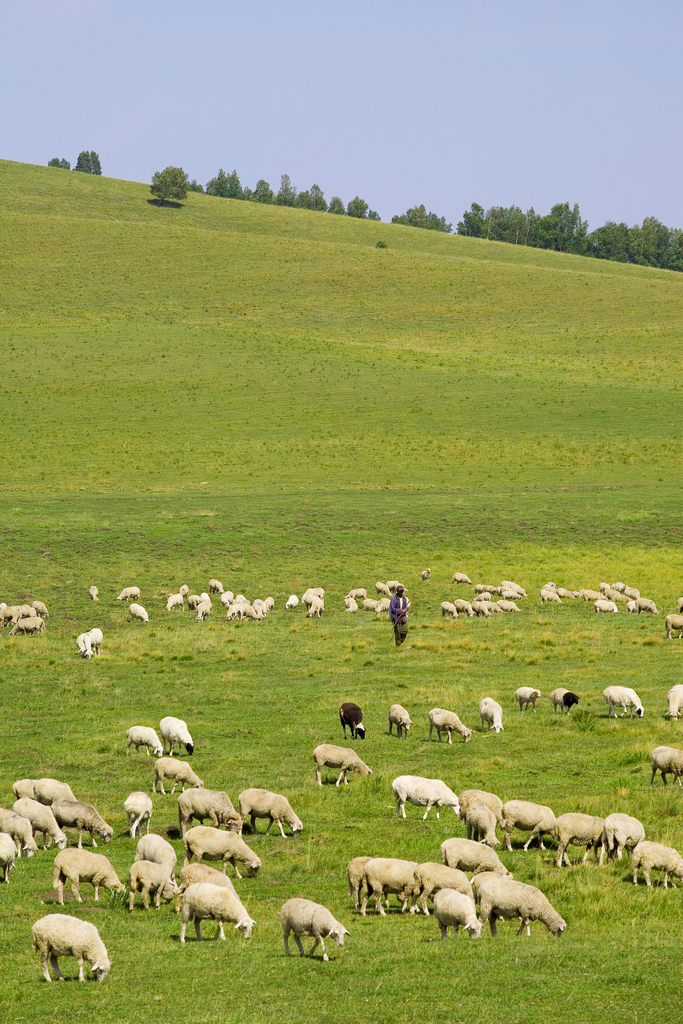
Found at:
<point>473,222</point>
<point>194,186</point>
<point>610,242</point>
<point>373,215</point>
<point>218,186</point>
<point>56,162</point>
<point>287,194</point>
<point>234,187</point>
<point>317,199</point>
<point>336,206</point>
<point>263,193</point>
<point>168,184</point>
<point>357,208</point>
<point>89,163</point>
<point>303,201</point>
<point>417,217</point>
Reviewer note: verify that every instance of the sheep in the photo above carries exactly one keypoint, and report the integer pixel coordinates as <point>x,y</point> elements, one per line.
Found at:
<point>249,612</point>
<point>447,608</point>
<point>303,917</point>
<point>605,606</point>
<point>675,699</point>
<point>204,841</point>
<point>393,585</point>
<point>467,855</point>
<point>355,874</point>
<point>174,730</point>
<point>426,574</point>
<point>527,695</point>
<point>206,901</point>
<point>632,607</point>
<point>480,796</point>
<point>184,590</point>
<point>19,828</point>
<point>42,820</point>
<point>58,935</point>
<point>94,594</point>
<point>667,760</point>
<point>208,803</point>
<point>447,721</point>
<point>203,610</point>
<point>23,611</point>
<point>563,699</point>
<point>84,818</point>
<point>632,593</point>
<point>491,714</point>
<point>486,588</point>
<point>7,614</point>
<point>30,624</point>
<point>136,611</point>
<point>673,623</point>
<point>421,792</point>
<point>481,824</point>
<point>259,606</point>
<point>159,851</point>
<point>506,898</point>
<point>312,592</point>
<point>590,595</point>
<point>24,788</point>
<point>7,854</point>
<point>550,596</point>
<point>352,715</point>
<point>429,878</point>
<point>179,771</point>
<point>576,829</point>
<point>358,593</point>
<point>507,606</point>
<point>481,608</point>
<point>84,644</point>
<point>369,604</point>
<point>461,577</point>
<point>40,609</point>
<point>453,909</point>
<point>620,832</point>
<point>351,605</point>
<point>511,585</point>
<point>623,697</point>
<point>200,873</point>
<point>193,602</point>
<point>316,607</point>
<point>128,593</point>
<point>82,866</point>
<point>261,803</point>
<point>399,717</point>
<point>655,856</point>
<point>175,601</point>
<point>150,879</point>
<point>527,817</point>
<point>383,605</point>
<point>96,638</point>
<point>616,595</point>
<point>144,736</point>
<point>234,612</point>
<point>621,587</point>
<point>563,592</point>
<point>138,809</point>
<point>384,875</point>
<point>327,755</point>
<point>462,606</point>
<point>383,589</point>
<point>643,604</point>
<point>46,791</point>
<point>269,604</point>
<point>215,587</point>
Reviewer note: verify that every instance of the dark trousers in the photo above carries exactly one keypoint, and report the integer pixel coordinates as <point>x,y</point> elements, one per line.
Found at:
<point>400,632</point>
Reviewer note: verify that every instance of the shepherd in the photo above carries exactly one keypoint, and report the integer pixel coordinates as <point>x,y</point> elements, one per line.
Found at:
<point>398,613</point>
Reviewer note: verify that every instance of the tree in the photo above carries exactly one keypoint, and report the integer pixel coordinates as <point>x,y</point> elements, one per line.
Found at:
<point>263,193</point>
<point>336,206</point>
<point>357,208</point>
<point>473,222</point>
<point>234,187</point>
<point>218,186</point>
<point>194,186</point>
<point>170,183</point>
<point>373,215</point>
<point>287,194</point>
<point>417,217</point>
<point>89,163</point>
<point>56,162</point>
<point>317,199</point>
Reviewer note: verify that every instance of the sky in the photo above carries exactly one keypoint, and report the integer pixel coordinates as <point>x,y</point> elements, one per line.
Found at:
<point>442,102</point>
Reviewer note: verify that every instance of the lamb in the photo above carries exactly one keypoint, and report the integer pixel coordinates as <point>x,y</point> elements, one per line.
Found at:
<point>40,609</point>
<point>174,730</point>
<point>667,760</point>
<point>420,792</point>
<point>303,917</point>
<point>620,832</point>
<point>550,595</point>
<point>184,590</point>
<point>383,589</point>
<point>138,808</point>
<point>215,587</point>
<point>159,851</point>
<point>448,609</point>
<point>201,873</point>
<point>369,604</point>
<point>644,604</point>
<point>384,875</point>
<point>351,605</point>
<point>563,699</point>
<point>58,935</point>
<point>129,593</point>
<point>506,898</point>
<point>467,855</point>
<point>82,866</point>
<point>527,817</point>
<point>206,901</point>
<point>179,771</point>
<point>42,820</point>
<point>208,803</point>
<point>316,607</point>
<point>84,645</point>
<point>655,856</point>
<point>507,606</point>
<point>429,878</point>
<point>227,597</point>
<point>623,697</point>
<point>138,612</point>
<point>673,623</point>
<point>193,602</point>
<point>150,879</point>
<point>576,829</point>
<point>352,715</point>
<point>203,610</point>
<point>175,601</point>
<point>527,695</point>
<point>462,606</point>
<point>19,828</point>
<point>426,574</point>
<point>84,817</point>
<point>204,841</point>
<point>675,699</point>
<point>453,909</point>
<point>46,791</point>
<point>7,855</point>
<point>491,714</point>
<point>461,577</point>
<point>605,606</point>
<point>269,604</point>
<point>31,624</point>
<point>399,717</point>
<point>143,736</point>
<point>327,755</point>
<point>480,796</point>
<point>481,824</point>
<point>447,721</point>
<point>261,803</point>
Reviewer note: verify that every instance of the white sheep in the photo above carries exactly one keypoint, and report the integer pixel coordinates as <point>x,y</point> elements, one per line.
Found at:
<point>623,697</point>
<point>42,820</point>
<point>84,645</point>
<point>40,609</point>
<point>312,592</point>
<point>481,824</point>
<point>205,901</point>
<point>328,755</point>
<point>193,602</point>
<point>576,829</point>
<point>510,585</point>
<point>200,873</point>
<point>150,879</point>
<point>632,593</point>
<point>447,608</point>
<point>491,714</point>
<point>550,596</point>
<point>455,909</point>
<point>215,587</point>
<point>590,595</point>
<point>203,610</point>
<point>656,857</point>
<point>620,832</point>
<point>393,585</point>
<point>19,828</point>
<point>159,851</point>
<point>482,609</point>
<point>675,699</point>
<point>204,841</point>
<point>632,607</point>
<point>46,791</point>
<point>24,788</point>
<point>303,917</point>
<point>129,593</point>
<point>261,803</point>
<point>175,601</point>
<point>447,721</point>
<point>7,854</point>
<point>138,808</point>
<point>527,817</point>
<point>384,875</point>
<point>485,588</point>
<point>643,604</point>
<point>382,589</point>
<point>180,771</point>
<point>421,792</point>
<point>667,760</point>
<point>351,605</point>
<point>174,730</point>
<point>94,594</point>
<point>480,796</point>
<point>399,717</point>
<point>507,606</point>
<point>96,638</point>
<point>383,606</point>
<point>461,577</point>
<point>358,593</point>
<point>215,804</point>
<point>426,574</point>
<point>464,607</point>
<point>467,855</point>
<point>429,878</point>
<point>83,866</point>
<point>369,604</point>
<point>316,607</point>
<point>84,818</point>
<point>29,624</point>
<point>563,592</point>
<point>505,898</point>
<point>58,935</point>
<point>144,736</point>
<point>136,611</point>
<point>184,590</point>
<point>527,695</point>
<point>674,622</point>
<point>291,602</point>
<point>605,606</point>
<point>227,597</point>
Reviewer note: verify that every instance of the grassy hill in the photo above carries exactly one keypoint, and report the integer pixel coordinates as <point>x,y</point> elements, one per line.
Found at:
<point>263,395</point>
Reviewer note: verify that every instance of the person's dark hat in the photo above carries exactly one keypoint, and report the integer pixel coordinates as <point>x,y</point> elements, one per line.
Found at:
<point>400,587</point>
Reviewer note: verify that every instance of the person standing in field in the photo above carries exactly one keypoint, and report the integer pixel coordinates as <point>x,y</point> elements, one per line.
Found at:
<point>398,613</point>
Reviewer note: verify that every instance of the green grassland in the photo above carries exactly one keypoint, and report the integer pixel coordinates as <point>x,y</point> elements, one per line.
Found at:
<point>263,395</point>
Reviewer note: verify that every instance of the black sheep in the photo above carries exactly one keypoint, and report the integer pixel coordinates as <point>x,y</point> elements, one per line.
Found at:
<point>351,715</point>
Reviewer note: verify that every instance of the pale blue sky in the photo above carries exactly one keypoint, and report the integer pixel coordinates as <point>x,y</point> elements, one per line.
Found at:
<point>445,103</point>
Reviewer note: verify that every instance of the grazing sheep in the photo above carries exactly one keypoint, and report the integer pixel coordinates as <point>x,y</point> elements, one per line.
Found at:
<point>527,695</point>
<point>201,873</point>
<point>327,755</point>
<point>150,879</point>
<point>303,917</point>
<point>46,791</point>
<point>138,808</point>
<point>159,851</point>
<point>481,824</point>
<point>563,699</point>
<point>527,817</point>
<point>227,597</point>
<point>352,715</point>
<point>355,874</point>
<point>208,803</point>
<point>491,714</point>
<point>481,608</point>
<point>505,898</point>
<point>485,588</point>
<point>94,594</point>
<point>383,606</point>
<point>138,612</point>
<point>426,574</point>
<point>507,606</point>
<point>40,609</point>
<point>623,697</point>
<point>24,788</point>
<point>467,855</point>
<point>215,587</point>
<point>667,760</point>
<point>590,595</point>
<point>675,699</point>
<point>563,592</point>
<point>82,866</point>
<point>384,875</point>
<point>144,736</point>
<point>673,622</point>
<point>96,638</point>
<point>30,624</point>
<point>179,771</point>
<point>447,721</point>
<point>174,730</point>
<point>429,878</point>
<point>480,796</point>
<point>643,604</point>
<point>206,901</point>
<point>84,644</point>
<point>42,820</point>
<point>464,607</point>
<point>351,605</point>
<point>316,607</point>
<point>605,606</point>
<point>175,601</point>
<point>620,832</point>
<point>204,841</point>
<point>510,585</point>
<point>184,590</point>
<point>309,595</point>
<point>656,857</point>
<point>632,593</point>
<point>203,610</point>
<point>129,593</point>
<point>421,792</point>
<point>84,818</point>
<point>261,803</point>
<point>383,589</point>
<point>358,594</point>
<point>461,577</point>
<point>393,585</point>
<point>7,854</point>
<point>448,609</point>
<point>19,828</point>
<point>632,607</point>
<point>453,909</point>
<point>550,596</point>
<point>58,935</point>
<point>193,602</point>
<point>576,829</point>
<point>369,604</point>
<point>399,717</point>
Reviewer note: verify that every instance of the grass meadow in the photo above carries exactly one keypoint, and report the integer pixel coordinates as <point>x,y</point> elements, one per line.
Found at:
<point>264,396</point>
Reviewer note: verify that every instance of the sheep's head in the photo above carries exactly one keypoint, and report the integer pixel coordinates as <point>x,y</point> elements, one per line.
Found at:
<point>640,712</point>
<point>338,933</point>
<point>101,968</point>
<point>360,731</point>
<point>474,928</point>
<point>245,926</point>
<point>467,736</point>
